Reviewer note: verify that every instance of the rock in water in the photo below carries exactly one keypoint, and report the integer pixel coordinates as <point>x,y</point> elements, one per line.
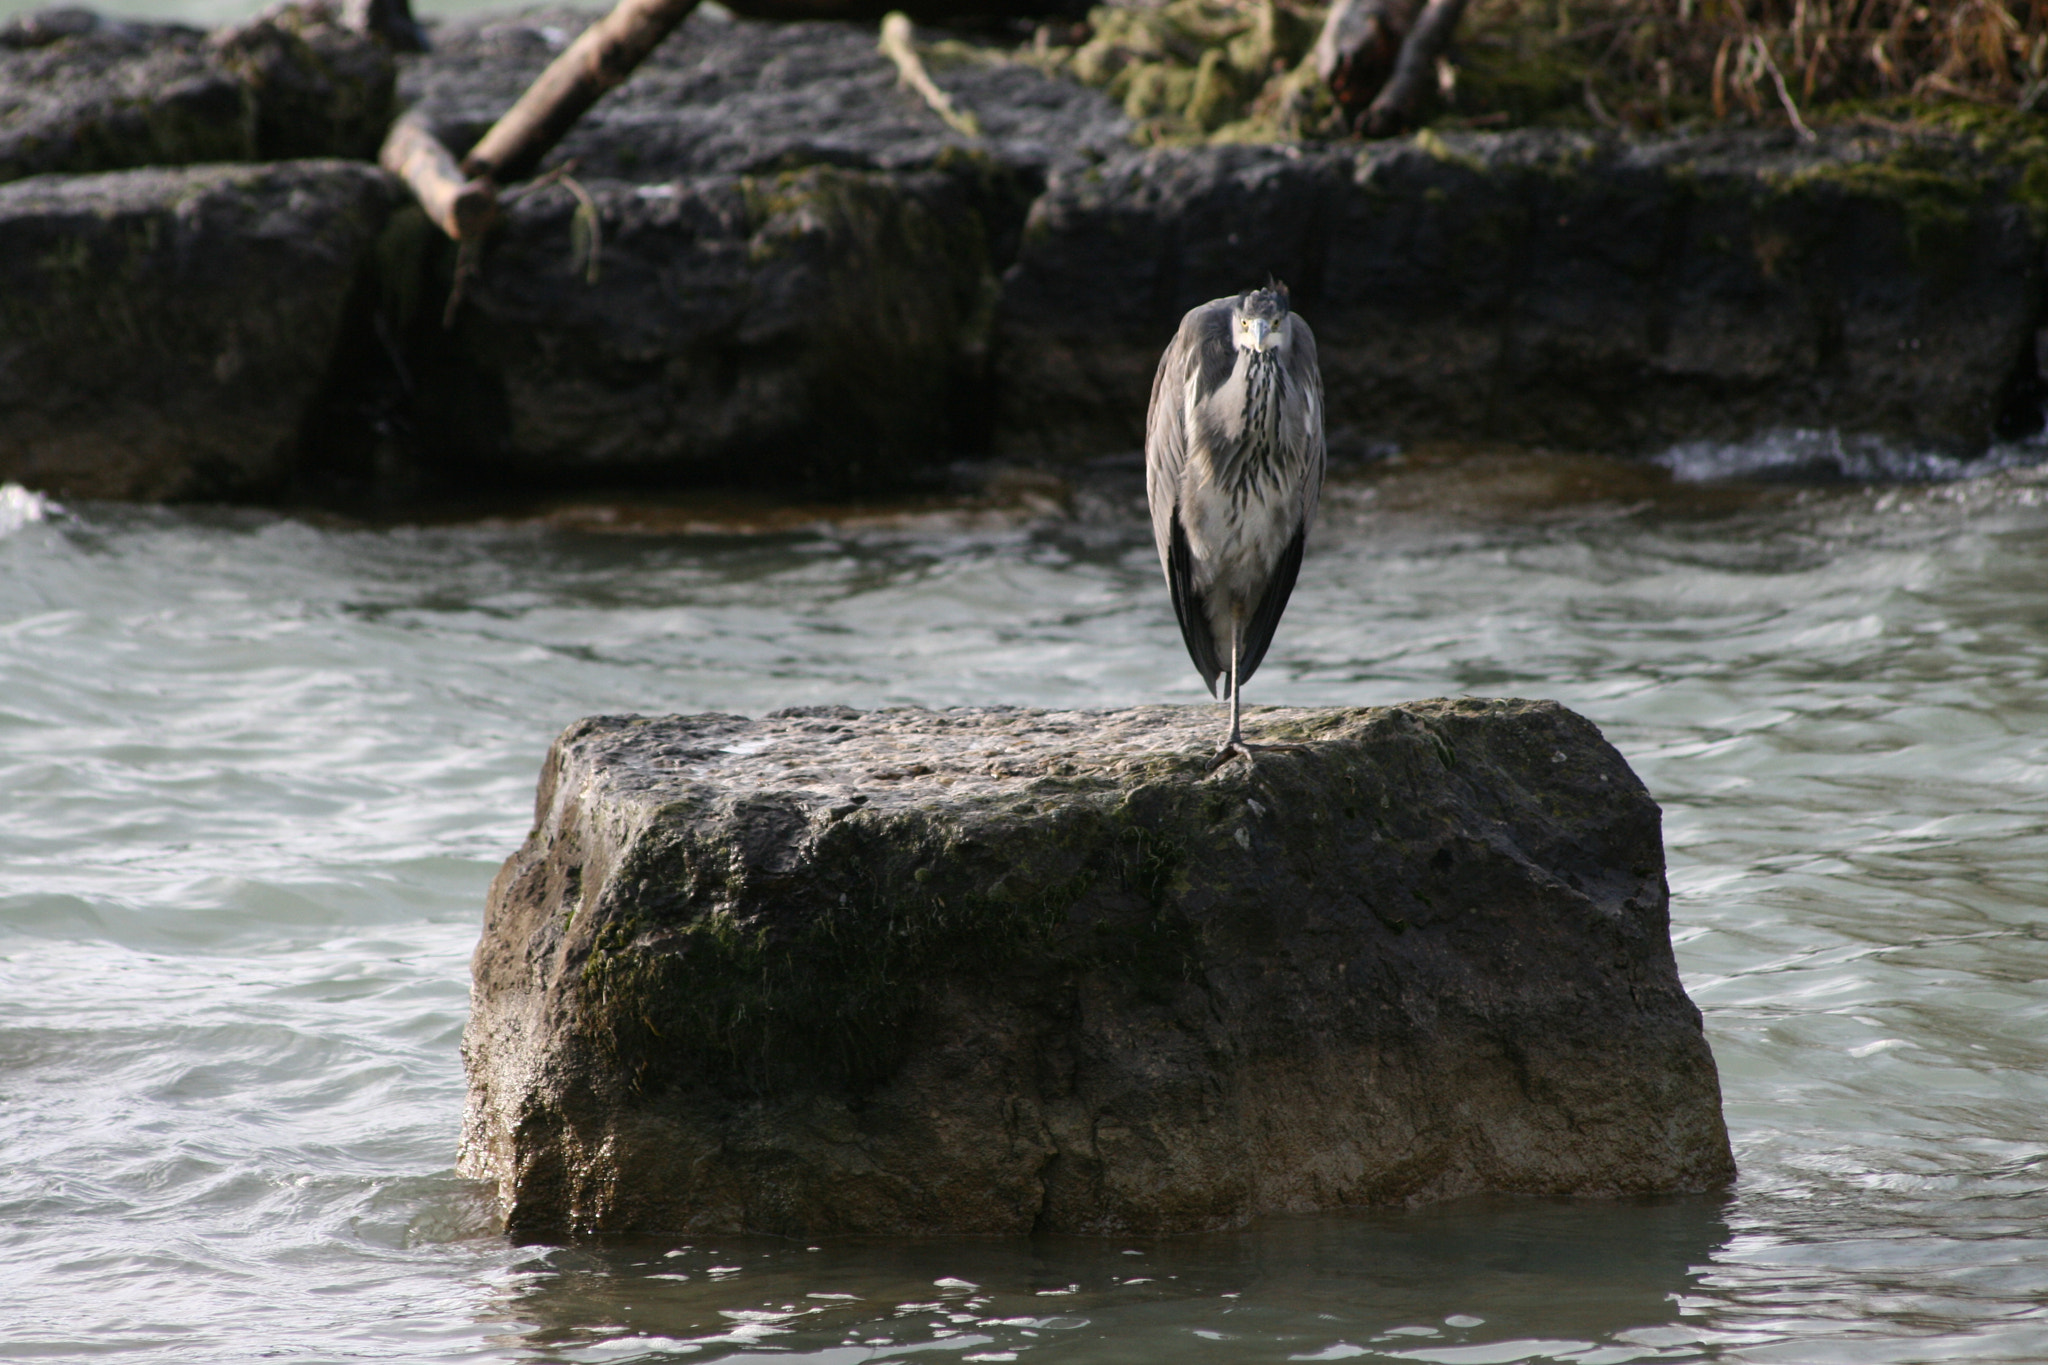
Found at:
<point>1003,971</point>
<point>164,332</point>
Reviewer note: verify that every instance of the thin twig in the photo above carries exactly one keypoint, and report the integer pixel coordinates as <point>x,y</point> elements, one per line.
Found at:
<point>586,209</point>
<point>897,47</point>
<point>538,183</point>
<point>1595,107</point>
<point>1721,80</point>
<point>1784,96</point>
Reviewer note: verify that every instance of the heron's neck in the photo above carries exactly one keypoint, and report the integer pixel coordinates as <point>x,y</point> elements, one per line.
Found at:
<point>1261,401</point>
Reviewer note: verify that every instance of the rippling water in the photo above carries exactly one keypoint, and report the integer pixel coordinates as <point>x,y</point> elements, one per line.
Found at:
<point>256,772</point>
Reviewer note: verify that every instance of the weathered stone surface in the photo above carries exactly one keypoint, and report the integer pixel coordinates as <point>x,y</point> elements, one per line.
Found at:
<point>1001,970</point>
<point>738,97</point>
<point>81,93</point>
<point>797,269</point>
<point>1550,288</point>
<point>315,87</point>
<point>821,327</point>
<point>163,333</point>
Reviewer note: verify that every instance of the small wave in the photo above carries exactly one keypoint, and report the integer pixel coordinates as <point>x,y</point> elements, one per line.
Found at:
<point>20,506</point>
<point>1807,454</point>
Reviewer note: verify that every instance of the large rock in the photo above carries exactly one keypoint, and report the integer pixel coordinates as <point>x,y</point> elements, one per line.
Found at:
<point>165,333</point>
<point>796,272</point>
<point>1553,288</point>
<point>80,92</point>
<point>821,328</point>
<point>1001,970</point>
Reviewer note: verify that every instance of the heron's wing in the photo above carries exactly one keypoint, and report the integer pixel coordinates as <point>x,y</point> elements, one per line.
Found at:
<point>1258,632</point>
<point>1190,607</point>
<point>1198,349</point>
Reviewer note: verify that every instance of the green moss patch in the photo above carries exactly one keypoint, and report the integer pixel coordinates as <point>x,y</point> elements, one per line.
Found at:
<point>714,977</point>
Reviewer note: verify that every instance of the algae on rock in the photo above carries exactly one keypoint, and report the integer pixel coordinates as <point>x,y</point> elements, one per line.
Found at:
<point>1202,70</point>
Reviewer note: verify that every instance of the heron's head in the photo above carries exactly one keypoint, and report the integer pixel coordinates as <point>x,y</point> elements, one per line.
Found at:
<point>1259,322</point>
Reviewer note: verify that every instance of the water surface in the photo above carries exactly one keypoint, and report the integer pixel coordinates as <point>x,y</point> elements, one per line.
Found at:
<point>258,769</point>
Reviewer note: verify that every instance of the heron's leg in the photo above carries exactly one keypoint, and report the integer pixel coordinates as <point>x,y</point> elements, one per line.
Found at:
<point>1236,709</point>
<point>1235,747</point>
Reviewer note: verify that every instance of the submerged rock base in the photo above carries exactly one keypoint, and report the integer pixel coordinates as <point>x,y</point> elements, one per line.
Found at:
<point>1005,971</point>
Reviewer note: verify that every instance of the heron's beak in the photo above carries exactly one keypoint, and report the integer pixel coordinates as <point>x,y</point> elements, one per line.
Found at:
<point>1261,330</point>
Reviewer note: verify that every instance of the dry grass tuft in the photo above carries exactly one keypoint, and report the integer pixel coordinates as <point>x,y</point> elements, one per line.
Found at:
<point>1238,70</point>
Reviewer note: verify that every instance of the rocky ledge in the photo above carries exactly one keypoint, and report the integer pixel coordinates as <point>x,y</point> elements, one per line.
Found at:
<point>1003,971</point>
<point>774,265</point>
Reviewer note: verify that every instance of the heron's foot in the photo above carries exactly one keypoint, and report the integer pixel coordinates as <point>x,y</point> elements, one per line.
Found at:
<point>1237,748</point>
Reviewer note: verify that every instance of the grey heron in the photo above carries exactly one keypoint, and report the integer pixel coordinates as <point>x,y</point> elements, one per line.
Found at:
<point>1234,460</point>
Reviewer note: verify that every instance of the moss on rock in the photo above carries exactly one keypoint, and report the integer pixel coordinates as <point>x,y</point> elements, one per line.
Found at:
<point>1202,70</point>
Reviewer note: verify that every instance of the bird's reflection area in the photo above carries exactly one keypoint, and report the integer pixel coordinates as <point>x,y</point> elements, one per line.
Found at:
<point>1491,1279</point>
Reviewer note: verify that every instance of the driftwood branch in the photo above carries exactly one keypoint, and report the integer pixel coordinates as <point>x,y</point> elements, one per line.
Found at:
<point>1415,71</point>
<point>602,56</point>
<point>460,206</point>
<point>1356,50</point>
<point>896,45</point>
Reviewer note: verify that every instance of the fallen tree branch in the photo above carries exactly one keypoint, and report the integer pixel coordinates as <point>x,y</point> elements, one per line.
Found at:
<point>897,47</point>
<point>602,56</point>
<point>1415,70</point>
<point>460,206</point>
<point>1356,49</point>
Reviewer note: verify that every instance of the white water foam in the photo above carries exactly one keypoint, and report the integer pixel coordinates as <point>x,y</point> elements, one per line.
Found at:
<point>1804,453</point>
<point>20,507</point>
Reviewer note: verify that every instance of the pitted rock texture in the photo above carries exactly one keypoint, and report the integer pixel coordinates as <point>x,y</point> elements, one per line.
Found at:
<point>1002,971</point>
<point>734,96</point>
